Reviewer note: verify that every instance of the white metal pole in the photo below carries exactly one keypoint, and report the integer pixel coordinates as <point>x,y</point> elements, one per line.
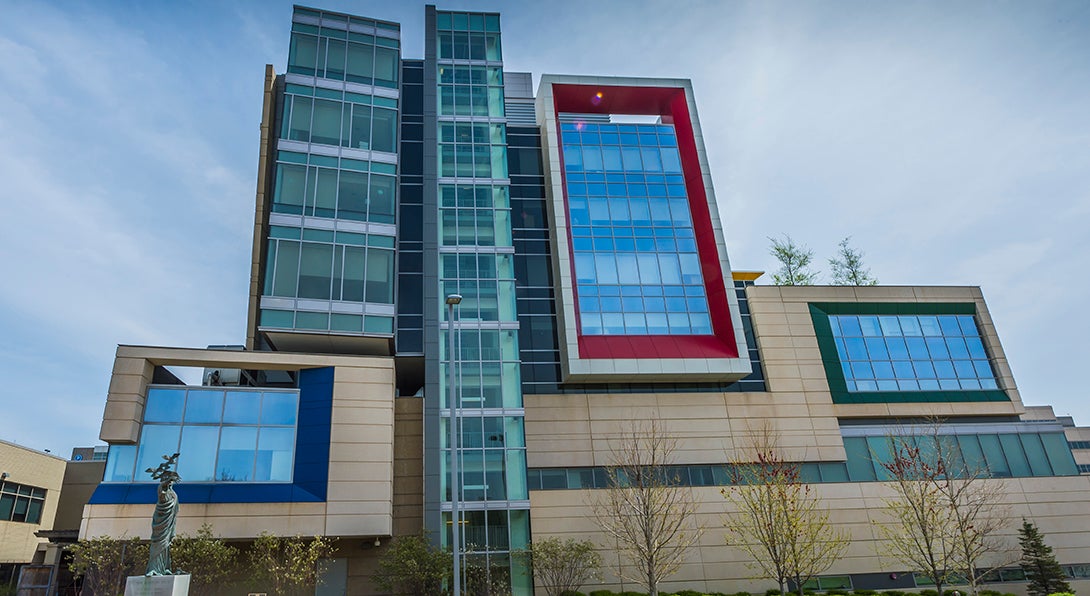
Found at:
<point>455,447</point>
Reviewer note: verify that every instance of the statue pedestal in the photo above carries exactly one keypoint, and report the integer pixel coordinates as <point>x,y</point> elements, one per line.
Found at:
<point>157,585</point>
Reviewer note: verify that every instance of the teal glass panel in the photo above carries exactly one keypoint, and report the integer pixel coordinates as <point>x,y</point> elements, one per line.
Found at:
<point>235,458</point>
<point>324,161</point>
<point>279,408</point>
<point>204,406</point>
<point>275,455</point>
<point>355,164</point>
<point>380,241</point>
<point>383,168</point>
<point>284,232</point>
<point>381,198</point>
<point>833,472</point>
<point>860,467</point>
<point>374,324</point>
<point>197,454</point>
<point>291,183</point>
<point>318,235</point>
<point>326,127</point>
<point>379,286</point>
<point>164,405</point>
<point>385,102</point>
<point>360,63</point>
<point>386,67</point>
<point>384,130</point>
<point>298,89</point>
<point>881,450</point>
<point>972,455</point>
<point>1035,454</point>
<point>351,238</point>
<point>156,440</point>
<point>284,319</point>
<point>120,461</point>
<point>348,323</point>
<point>302,54</point>
<point>353,274</point>
<point>993,455</point>
<point>492,22</point>
<point>312,320</point>
<point>298,125</point>
<point>286,272</point>
<point>516,475</point>
<point>242,407</point>
<point>328,93</point>
<point>315,271</point>
<point>1059,454</point>
<point>1016,456</point>
<point>291,157</point>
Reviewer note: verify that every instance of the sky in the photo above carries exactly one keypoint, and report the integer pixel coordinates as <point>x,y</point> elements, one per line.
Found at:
<point>950,141</point>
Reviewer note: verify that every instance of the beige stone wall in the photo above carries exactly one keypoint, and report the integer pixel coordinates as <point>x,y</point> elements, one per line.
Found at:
<point>361,461</point>
<point>32,468</point>
<point>1059,506</point>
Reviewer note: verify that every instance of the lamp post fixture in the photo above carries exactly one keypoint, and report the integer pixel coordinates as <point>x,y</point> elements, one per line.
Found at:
<point>455,446</point>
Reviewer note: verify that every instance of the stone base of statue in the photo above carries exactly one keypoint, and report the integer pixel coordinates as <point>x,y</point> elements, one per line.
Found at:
<point>157,585</point>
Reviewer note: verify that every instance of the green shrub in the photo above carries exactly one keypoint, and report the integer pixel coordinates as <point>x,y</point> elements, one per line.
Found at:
<point>929,593</point>
<point>602,593</point>
<point>991,593</point>
<point>865,592</point>
<point>838,592</point>
<point>572,593</point>
<point>688,593</point>
<point>773,592</point>
<point>893,593</point>
<point>742,594</point>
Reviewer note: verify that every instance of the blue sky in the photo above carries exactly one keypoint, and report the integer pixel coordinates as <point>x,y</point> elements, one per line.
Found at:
<point>950,141</point>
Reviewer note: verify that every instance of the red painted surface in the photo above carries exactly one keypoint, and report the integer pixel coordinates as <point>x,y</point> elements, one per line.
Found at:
<point>669,103</point>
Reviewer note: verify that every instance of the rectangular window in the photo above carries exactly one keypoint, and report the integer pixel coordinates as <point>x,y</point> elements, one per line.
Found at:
<point>222,435</point>
<point>21,502</point>
<point>636,253</point>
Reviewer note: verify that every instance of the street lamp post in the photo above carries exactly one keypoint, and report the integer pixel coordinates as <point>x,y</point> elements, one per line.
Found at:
<point>455,446</point>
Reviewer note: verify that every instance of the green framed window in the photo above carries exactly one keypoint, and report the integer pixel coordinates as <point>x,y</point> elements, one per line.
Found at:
<point>904,352</point>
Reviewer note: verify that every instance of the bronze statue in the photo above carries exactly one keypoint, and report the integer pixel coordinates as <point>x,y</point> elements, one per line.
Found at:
<point>166,513</point>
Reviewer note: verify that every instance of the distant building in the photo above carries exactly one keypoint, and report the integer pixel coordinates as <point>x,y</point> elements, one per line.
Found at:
<point>580,229</point>
<point>30,487</point>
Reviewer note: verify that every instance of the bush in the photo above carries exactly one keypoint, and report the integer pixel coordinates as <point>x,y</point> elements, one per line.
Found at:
<point>773,592</point>
<point>602,593</point>
<point>688,593</point>
<point>865,592</point>
<point>929,593</point>
<point>572,593</point>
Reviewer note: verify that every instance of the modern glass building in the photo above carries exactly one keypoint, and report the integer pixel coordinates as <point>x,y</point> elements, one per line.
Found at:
<point>578,224</point>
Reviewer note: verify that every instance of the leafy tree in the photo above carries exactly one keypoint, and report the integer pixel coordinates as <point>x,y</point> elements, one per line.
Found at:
<point>779,523</point>
<point>485,576</point>
<point>211,562</point>
<point>848,269</point>
<point>795,261</point>
<point>105,562</point>
<point>946,521</point>
<point>643,510</point>
<point>564,565</point>
<point>287,565</point>
<point>1042,570</point>
<point>413,566</point>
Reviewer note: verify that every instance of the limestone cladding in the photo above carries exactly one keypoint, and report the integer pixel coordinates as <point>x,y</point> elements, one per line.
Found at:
<point>1060,506</point>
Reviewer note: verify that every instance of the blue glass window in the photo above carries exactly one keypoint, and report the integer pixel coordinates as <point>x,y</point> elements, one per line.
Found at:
<point>911,353</point>
<point>642,234</point>
<point>221,435</point>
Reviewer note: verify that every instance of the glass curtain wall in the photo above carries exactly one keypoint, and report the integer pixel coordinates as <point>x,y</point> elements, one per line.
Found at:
<point>476,261</point>
<point>330,245</point>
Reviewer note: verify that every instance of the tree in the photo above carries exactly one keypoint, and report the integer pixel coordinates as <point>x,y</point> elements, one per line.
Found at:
<point>209,561</point>
<point>1043,572</point>
<point>946,520</point>
<point>643,510</point>
<point>848,269</point>
<point>794,261</point>
<point>286,565</point>
<point>778,522</point>
<point>413,566</point>
<point>105,562</point>
<point>564,565</point>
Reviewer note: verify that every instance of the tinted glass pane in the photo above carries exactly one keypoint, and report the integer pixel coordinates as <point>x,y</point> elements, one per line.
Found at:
<point>279,408</point>
<point>197,455</point>
<point>275,454</point>
<point>235,461</point>
<point>119,463</point>
<point>1059,454</point>
<point>1035,454</point>
<point>164,405</point>
<point>860,467</point>
<point>204,406</point>
<point>156,441</point>
<point>1016,456</point>
<point>242,407</point>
